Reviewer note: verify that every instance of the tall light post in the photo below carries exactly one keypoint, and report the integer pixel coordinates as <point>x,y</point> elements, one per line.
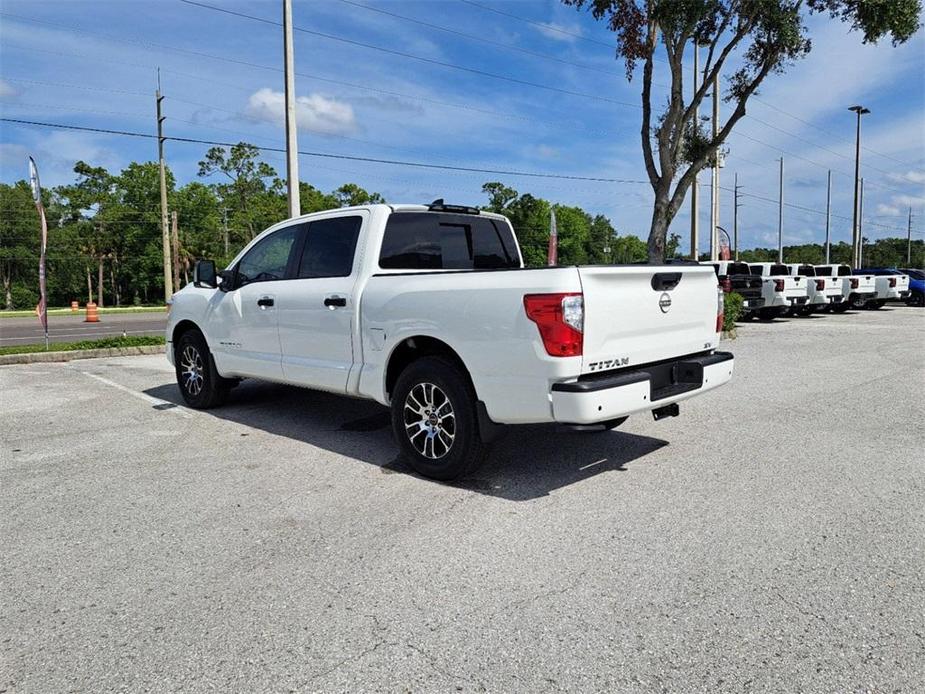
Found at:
<point>855,231</point>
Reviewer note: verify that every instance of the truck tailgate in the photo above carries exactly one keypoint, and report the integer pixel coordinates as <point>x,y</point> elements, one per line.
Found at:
<point>640,314</point>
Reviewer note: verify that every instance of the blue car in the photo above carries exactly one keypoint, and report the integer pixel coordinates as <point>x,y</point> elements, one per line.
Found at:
<point>916,286</point>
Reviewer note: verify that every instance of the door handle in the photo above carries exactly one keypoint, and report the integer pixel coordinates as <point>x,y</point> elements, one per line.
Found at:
<point>333,302</point>
<point>265,301</point>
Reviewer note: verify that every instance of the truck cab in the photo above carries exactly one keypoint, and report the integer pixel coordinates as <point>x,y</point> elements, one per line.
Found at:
<point>782,291</point>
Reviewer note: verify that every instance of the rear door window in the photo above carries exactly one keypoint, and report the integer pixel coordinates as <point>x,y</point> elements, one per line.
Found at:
<point>436,241</point>
<point>329,247</point>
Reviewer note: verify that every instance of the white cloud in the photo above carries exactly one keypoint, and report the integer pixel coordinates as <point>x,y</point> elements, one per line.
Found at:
<point>560,32</point>
<point>7,89</point>
<point>315,112</point>
<point>915,177</point>
<point>13,157</point>
<point>888,210</point>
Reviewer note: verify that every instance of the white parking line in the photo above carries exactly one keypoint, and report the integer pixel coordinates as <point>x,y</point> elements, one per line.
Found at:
<point>162,405</point>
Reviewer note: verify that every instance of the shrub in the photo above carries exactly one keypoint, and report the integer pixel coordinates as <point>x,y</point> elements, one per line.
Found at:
<point>23,297</point>
<point>733,305</point>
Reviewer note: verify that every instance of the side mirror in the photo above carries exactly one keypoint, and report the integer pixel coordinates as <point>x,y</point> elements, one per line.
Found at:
<point>204,274</point>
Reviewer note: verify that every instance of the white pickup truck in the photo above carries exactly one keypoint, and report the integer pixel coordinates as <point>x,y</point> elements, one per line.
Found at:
<point>892,285</point>
<point>782,291</point>
<point>857,289</point>
<point>429,310</point>
<point>823,291</point>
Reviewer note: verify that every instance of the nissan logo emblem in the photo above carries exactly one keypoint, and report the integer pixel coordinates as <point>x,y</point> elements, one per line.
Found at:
<point>664,302</point>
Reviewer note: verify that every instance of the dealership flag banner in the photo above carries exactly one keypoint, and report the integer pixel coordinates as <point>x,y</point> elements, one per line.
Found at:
<point>552,253</point>
<point>42,308</point>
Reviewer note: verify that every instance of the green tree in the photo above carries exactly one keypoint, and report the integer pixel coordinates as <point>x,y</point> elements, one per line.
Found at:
<point>253,194</point>
<point>313,200</point>
<point>19,239</point>
<point>745,42</point>
<point>351,194</point>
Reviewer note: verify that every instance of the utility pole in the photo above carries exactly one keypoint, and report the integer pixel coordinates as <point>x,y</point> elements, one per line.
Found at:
<point>735,217</point>
<point>855,225</point>
<point>714,215</point>
<point>165,234</point>
<point>225,229</point>
<point>175,246</point>
<point>861,228</point>
<point>909,240</point>
<point>828,218</point>
<point>695,187</point>
<point>292,145</point>
<point>780,215</point>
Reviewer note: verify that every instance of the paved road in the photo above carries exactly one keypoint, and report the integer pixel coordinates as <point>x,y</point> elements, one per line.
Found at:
<point>772,538</point>
<point>24,331</point>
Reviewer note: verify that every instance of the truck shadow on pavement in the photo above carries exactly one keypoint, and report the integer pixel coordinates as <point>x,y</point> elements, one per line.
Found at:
<point>526,462</point>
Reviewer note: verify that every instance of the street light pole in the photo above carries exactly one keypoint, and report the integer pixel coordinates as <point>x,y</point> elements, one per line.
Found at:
<point>828,218</point>
<point>695,186</point>
<point>855,228</point>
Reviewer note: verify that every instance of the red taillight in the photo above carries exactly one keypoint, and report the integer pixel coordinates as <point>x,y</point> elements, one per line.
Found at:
<point>820,285</point>
<point>778,285</point>
<point>560,319</point>
<point>720,305</point>
<point>854,282</point>
<point>726,284</point>
<point>892,282</point>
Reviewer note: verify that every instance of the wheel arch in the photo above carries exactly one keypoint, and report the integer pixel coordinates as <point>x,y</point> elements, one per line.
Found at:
<point>410,349</point>
<point>182,327</point>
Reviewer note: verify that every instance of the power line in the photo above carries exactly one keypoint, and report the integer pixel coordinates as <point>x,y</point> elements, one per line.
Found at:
<point>420,58</point>
<point>540,25</point>
<point>482,39</point>
<point>328,155</point>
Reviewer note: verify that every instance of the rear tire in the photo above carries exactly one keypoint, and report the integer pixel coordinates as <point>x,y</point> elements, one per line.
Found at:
<point>916,299</point>
<point>434,419</point>
<point>857,302</point>
<point>199,382</point>
<point>841,308</point>
<point>767,314</point>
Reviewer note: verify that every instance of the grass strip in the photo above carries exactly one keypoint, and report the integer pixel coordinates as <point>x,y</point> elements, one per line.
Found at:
<point>130,341</point>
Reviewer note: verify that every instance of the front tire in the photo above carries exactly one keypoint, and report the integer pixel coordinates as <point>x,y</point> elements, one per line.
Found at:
<point>434,419</point>
<point>199,382</point>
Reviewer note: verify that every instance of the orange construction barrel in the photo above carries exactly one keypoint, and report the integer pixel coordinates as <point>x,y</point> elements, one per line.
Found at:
<point>93,316</point>
<point>75,306</point>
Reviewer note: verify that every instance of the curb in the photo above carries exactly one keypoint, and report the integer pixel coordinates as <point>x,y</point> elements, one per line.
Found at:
<point>38,357</point>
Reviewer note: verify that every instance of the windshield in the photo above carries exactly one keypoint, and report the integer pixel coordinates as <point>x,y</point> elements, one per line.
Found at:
<point>737,269</point>
<point>806,271</point>
<point>844,271</point>
<point>915,274</point>
<point>779,270</point>
<point>824,270</point>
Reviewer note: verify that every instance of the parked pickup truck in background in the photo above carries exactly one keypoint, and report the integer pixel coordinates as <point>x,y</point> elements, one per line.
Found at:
<point>782,291</point>
<point>916,287</point>
<point>736,277</point>
<point>892,285</point>
<point>429,311</point>
<point>823,290</point>
<point>856,289</point>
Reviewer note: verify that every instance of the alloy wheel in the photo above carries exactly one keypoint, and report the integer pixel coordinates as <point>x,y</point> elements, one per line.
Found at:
<point>191,370</point>
<point>430,422</point>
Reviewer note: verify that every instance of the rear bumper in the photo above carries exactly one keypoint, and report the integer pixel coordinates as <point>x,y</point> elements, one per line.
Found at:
<point>609,396</point>
<point>754,302</point>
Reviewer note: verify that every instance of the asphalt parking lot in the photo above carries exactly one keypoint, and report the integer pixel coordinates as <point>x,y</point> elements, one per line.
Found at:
<point>772,537</point>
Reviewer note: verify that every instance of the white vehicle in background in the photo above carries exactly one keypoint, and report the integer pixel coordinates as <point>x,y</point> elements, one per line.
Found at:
<point>822,290</point>
<point>429,311</point>
<point>782,291</point>
<point>856,289</point>
<point>892,285</point>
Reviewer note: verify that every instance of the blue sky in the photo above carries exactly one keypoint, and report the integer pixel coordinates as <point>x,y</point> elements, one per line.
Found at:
<point>93,64</point>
